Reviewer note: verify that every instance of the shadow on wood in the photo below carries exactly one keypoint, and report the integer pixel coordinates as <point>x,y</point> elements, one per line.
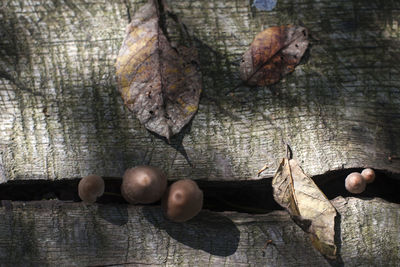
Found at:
<point>210,232</point>
<point>117,215</point>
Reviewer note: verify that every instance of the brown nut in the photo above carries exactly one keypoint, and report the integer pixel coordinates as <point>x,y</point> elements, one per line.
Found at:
<point>90,188</point>
<point>355,183</point>
<point>143,184</point>
<point>182,201</point>
<point>369,175</point>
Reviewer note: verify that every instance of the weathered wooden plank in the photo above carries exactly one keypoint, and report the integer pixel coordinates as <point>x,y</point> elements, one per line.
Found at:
<point>61,115</point>
<point>55,233</point>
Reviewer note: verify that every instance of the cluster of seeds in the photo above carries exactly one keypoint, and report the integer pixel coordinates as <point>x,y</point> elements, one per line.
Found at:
<point>356,182</point>
<point>144,185</point>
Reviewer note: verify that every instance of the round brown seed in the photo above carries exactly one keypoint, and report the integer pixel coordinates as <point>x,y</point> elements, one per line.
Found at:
<point>369,175</point>
<point>355,183</point>
<point>182,201</point>
<point>90,188</point>
<point>143,184</point>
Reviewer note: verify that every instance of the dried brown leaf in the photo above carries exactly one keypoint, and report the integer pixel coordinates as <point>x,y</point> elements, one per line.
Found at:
<point>309,207</point>
<point>274,53</point>
<point>159,82</point>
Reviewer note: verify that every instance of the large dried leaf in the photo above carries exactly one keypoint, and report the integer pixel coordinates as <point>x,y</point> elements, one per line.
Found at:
<point>309,207</point>
<point>274,53</point>
<point>159,82</point>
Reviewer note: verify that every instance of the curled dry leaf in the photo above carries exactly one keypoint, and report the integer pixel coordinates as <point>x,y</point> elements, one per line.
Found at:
<point>159,82</point>
<point>307,205</point>
<point>274,53</point>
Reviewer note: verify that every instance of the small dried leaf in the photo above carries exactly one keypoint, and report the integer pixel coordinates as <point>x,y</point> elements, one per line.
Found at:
<point>274,53</point>
<point>309,207</point>
<point>159,82</point>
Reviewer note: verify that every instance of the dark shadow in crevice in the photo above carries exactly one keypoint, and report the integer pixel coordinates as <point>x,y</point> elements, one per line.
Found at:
<point>251,196</point>
<point>242,196</point>
<point>385,186</point>
<point>338,242</point>
<point>210,232</point>
<point>34,190</point>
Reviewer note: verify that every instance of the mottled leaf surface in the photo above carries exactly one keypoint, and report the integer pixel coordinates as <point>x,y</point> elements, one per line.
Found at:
<point>273,53</point>
<point>309,207</point>
<point>159,82</point>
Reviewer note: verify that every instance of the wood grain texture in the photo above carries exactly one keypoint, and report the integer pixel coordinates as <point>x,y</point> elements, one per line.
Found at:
<point>55,233</point>
<point>61,115</point>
